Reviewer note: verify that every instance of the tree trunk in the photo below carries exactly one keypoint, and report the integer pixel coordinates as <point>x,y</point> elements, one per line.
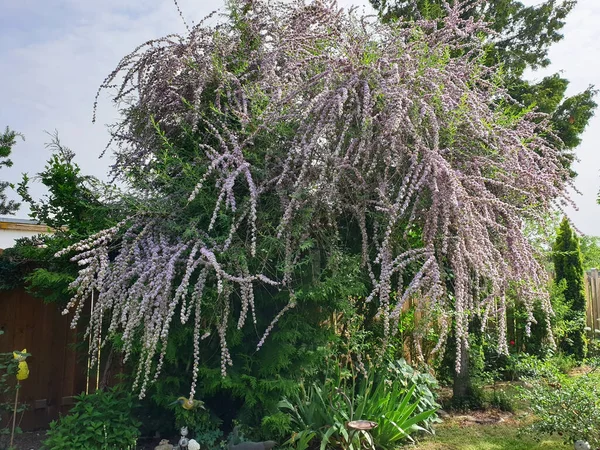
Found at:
<point>461,390</point>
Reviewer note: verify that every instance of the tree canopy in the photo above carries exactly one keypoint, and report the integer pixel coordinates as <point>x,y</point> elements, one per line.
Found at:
<point>267,151</point>
<point>520,37</point>
<point>590,251</point>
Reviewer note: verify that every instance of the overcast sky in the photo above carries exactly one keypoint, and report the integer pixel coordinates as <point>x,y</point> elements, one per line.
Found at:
<point>55,53</point>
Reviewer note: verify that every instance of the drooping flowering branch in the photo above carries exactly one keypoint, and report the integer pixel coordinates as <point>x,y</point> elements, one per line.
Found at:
<point>290,120</point>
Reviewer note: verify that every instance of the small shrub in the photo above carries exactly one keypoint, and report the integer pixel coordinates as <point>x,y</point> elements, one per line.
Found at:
<point>563,363</point>
<point>475,400</point>
<point>524,366</point>
<point>499,399</point>
<point>569,407</point>
<point>209,439</point>
<point>99,421</point>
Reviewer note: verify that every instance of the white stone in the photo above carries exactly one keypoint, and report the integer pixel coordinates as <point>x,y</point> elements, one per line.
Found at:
<point>582,445</point>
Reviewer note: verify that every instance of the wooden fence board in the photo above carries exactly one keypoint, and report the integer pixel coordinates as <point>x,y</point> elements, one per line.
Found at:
<point>56,371</point>
<point>592,292</point>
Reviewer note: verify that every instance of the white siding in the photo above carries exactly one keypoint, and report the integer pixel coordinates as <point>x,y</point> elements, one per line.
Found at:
<point>9,237</point>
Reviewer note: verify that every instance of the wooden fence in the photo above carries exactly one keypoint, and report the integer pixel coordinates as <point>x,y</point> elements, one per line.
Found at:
<point>592,293</point>
<point>57,370</point>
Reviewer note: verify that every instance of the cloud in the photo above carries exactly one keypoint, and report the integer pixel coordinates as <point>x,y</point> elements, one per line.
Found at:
<point>55,55</point>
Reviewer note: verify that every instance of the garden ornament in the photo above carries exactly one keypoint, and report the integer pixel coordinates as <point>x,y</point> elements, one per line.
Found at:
<point>184,441</point>
<point>264,445</point>
<point>164,445</point>
<point>193,445</point>
<point>582,445</point>
<point>361,425</point>
<point>189,403</point>
<point>23,372</point>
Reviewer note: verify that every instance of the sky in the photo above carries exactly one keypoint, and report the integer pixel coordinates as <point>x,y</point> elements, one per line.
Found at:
<point>55,53</point>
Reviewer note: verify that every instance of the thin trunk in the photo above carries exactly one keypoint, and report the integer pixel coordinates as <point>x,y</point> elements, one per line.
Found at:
<point>461,390</point>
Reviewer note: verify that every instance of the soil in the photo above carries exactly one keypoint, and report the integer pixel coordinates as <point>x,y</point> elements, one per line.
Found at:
<point>33,441</point>
<point>488,417</point>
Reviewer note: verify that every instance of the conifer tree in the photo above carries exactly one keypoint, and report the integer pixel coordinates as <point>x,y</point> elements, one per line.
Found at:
<point>568,266</point>
<point>7,141</point>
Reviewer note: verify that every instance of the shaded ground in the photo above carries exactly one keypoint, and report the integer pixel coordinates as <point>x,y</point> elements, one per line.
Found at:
<point>25,441</point>
<point>485,430</point>
<point>33,441</point>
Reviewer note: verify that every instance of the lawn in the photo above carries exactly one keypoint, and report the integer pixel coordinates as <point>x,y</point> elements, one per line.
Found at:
<point>456,434</point>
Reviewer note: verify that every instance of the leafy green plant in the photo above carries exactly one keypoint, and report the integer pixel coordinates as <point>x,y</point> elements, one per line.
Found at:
<point>210,439</point>
<point>568,266</point>
<point>7,141</point>
<point>499,399</point>
<point>99,421</point>
<point>399,406</point>
<point>524,366</point>
<point>567,406</point>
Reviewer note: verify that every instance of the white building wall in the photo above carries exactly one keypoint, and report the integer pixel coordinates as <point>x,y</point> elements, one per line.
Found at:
<point>9,237</point>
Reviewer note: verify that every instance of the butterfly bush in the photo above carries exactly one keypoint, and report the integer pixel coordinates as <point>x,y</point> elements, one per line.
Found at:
<point>305,117</point>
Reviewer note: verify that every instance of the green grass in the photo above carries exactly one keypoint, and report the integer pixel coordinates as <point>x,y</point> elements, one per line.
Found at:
<point>504,436</point>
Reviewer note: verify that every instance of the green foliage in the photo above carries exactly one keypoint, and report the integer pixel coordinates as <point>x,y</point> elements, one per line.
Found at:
<point>399,400</point>
<point>99,421</point>
<point>211,439</point>
<point>499,399</point>
<point>572,116</point>
<point>76,205</point>
<point>525,34</point>
<point>590,251</point>
<point>568,266</point>
<point>569,407</point>
<point>303,338</point>
<point>523,366</point>
<point>197,420</point>
<point>537,342</point>
<point>7,142</point>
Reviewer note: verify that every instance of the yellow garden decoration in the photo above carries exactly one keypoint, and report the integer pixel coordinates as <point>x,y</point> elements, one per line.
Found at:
<point>189,404</point>
<point>23,372</point>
